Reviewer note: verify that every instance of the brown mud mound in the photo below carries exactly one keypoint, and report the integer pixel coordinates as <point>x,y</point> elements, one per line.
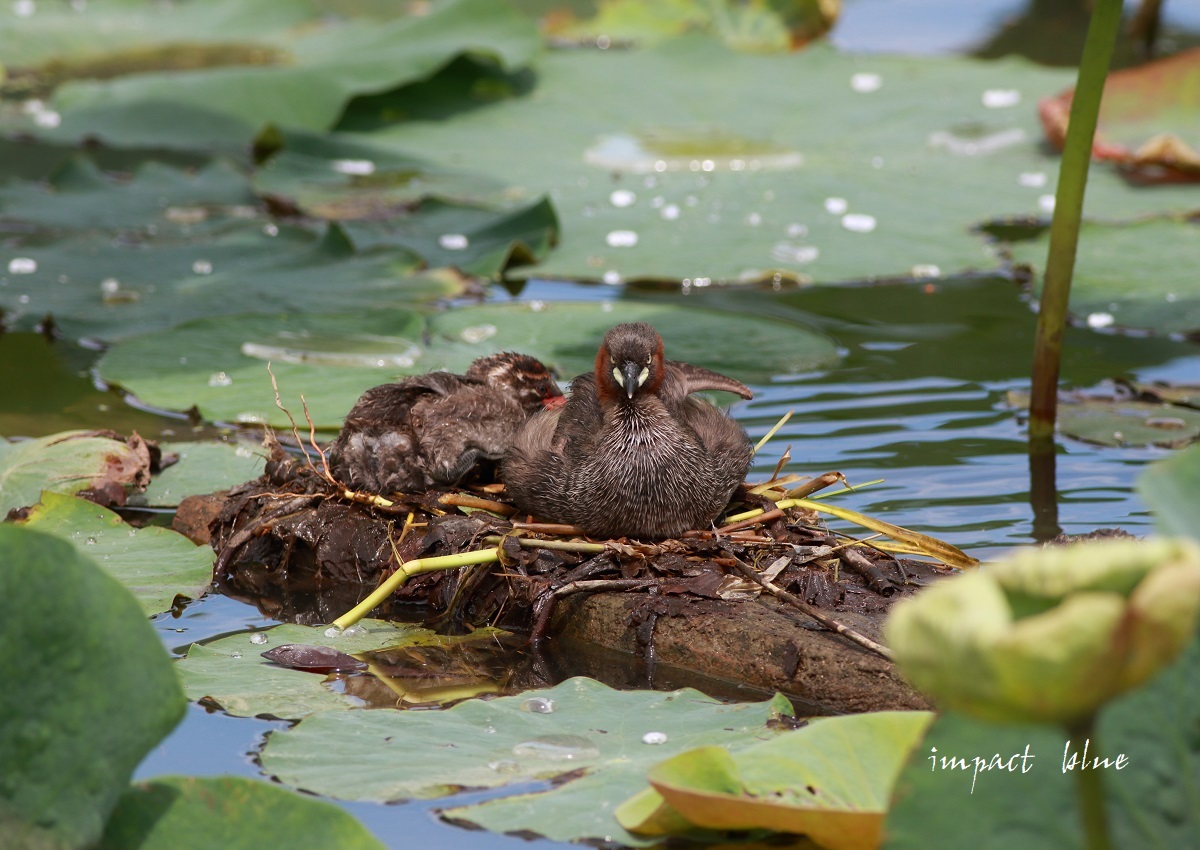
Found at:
<point>303,550</point>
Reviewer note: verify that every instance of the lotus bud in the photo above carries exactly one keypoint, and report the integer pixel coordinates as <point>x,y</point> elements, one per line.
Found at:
<point>1050,635</point>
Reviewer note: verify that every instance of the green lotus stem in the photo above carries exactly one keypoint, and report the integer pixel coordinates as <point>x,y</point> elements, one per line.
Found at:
<point>406,571</point>
<point>1064,227</point>
<point>1089,790</point>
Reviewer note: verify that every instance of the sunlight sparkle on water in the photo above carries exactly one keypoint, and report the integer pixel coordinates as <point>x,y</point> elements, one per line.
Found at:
<point>654,738</point>
<point>202,267</point>
<point>836,206</point>
<point>621,238</point>
<point>453,241</point>
<point>1100,320</point>
<point>1032,179</point>
<point>670,212</point>
<point>22,265</point>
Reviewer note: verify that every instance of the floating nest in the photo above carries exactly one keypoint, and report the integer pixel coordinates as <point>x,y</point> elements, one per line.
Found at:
<point>305,549</point>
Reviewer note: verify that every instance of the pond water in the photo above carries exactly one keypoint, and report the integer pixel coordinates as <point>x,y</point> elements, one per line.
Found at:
<point>918,399</point>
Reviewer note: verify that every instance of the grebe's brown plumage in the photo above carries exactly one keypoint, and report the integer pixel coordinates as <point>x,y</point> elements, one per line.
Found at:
<point>630,454</point>
<point>432,429</point>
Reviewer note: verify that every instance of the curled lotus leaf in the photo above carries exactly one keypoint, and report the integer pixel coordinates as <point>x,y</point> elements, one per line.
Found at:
<point>1050,635</point>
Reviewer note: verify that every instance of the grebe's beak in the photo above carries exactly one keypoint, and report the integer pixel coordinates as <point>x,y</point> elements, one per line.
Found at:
<point>635,374</point>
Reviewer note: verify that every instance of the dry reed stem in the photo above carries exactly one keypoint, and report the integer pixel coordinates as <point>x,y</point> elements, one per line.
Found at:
<point>766,438</point>
<point>465,500</point>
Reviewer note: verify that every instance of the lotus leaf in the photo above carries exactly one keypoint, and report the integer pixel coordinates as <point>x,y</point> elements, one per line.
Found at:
<point>156,564</point>
<point>831,780</point>
<point>580,730</point>
<point>67,463</point>
<point>188,813</point>
<point>201,468</point>
<point>945,801</point>
<point>99,666</point>
<point>1171,487</point>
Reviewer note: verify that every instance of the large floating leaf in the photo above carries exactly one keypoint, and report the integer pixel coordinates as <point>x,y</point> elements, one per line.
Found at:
<point>1152,801</point>
<point>232,672</point>
<point>831,780</point>
<point>186,813</point>
<point>689,161</point>
<point>285,63</point>
<point>155,563</point>
<point>387,200</point>
<point>111,259</point>
<point>1171,487</point>
<point>332,359</point>
<point>593,733</point>
<point>1131,276</point>
<point>201,468</point>
<point>329,359</point>
<point>66,463</point>
<point>566,335</point>
<point>89,690</point>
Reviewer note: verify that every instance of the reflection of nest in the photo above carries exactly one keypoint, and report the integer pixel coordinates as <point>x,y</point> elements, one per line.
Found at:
<point>305,550</point>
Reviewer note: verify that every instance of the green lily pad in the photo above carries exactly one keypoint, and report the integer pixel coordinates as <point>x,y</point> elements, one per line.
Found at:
<point>1110,421</point>
<point>565,335</point>
<point>66,463</point>
<point>343,179</point>
<point>156,564</point>
<point>187,813</point>
<point>1152,801</point>
<point>232,673</point>
<point>87,696</point>
<point>201,468</point>
<point>290,64</point>
<point>111,259</point>
<point>1131,276</point>
<point>592,739</point>
<point>387,200</point>
<point>1171,487</point>
<point>840,167</point>
<point>831,780</point>
<point>332,359</point>
<point>329,359</point>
